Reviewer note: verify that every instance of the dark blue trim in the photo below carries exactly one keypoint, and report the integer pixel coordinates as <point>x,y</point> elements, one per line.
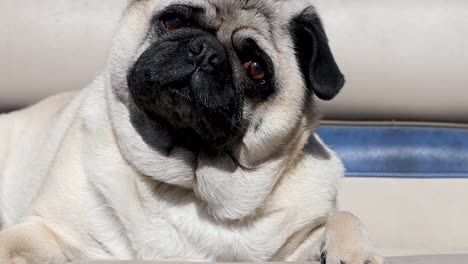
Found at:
<point>399,152</point>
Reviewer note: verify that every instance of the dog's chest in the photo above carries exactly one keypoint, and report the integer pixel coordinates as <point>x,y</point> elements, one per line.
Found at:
<point>175,227</point>
<point>157,222</point>
<point>160,222</point>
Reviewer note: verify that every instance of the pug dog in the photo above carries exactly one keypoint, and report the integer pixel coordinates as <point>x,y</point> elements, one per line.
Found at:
<point>196,143</point>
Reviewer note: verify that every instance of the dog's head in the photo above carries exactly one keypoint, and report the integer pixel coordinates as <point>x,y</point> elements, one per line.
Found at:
<point>223,75</point>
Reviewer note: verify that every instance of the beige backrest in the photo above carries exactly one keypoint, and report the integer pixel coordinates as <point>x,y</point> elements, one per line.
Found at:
<point>405,60</point>
<point>48,46</point>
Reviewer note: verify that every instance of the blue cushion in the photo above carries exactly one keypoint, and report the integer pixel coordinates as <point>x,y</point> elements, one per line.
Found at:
<point>400,151</point>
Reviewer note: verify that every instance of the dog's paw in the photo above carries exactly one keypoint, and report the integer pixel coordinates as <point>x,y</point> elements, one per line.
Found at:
<point>346,242</point>
<point>352,257</point>
<point>30,243</point>
<point>11,255</point>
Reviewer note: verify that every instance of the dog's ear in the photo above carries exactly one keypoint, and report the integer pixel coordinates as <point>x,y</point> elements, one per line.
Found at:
<point>320,71</point>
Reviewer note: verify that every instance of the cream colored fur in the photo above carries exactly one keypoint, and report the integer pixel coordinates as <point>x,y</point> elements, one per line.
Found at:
<point>77,182</point>
<point>68,193</point>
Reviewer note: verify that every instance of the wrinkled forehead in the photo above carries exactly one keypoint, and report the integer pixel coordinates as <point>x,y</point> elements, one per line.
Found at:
<point>238,19</point>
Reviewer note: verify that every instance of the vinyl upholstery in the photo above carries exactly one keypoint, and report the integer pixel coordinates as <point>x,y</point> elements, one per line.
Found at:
<point>407,183</point>
<point>404,60</point>
<point>400,151</point>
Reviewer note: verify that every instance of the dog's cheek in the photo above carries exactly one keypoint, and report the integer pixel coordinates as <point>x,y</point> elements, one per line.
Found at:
<point>127,42</point>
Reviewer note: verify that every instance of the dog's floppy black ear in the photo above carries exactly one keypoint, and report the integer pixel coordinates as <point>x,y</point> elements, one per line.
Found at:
<point>316,59</point>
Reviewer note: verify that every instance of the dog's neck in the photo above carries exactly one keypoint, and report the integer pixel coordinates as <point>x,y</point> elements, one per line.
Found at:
<point>233,187</point>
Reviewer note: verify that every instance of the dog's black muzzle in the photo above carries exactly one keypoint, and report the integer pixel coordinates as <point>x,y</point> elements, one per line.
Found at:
<point>186,86</point>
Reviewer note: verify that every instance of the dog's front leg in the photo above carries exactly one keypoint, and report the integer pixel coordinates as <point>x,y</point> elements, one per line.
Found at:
<point>342,240</point>
<point>346,241</point>
<point>31,243</point>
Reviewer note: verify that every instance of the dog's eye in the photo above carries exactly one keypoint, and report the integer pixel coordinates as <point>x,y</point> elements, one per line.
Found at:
<point>174,21</point>
<point>255,71</point>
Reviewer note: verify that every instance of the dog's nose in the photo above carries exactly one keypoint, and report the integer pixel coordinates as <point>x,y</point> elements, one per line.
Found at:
<point>206,52</point>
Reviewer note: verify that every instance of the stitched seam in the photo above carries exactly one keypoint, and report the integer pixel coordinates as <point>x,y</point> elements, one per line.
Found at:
<point>438,175</point>
<point>358,123</point>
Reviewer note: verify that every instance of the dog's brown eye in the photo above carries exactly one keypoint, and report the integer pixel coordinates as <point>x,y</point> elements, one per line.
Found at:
<point>255,71</point>
<point>173,22</point>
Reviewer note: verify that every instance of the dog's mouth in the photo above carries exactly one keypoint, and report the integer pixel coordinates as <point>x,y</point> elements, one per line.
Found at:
<point>192,127</point>
<point>181,90</point>
<point>196,114</point>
